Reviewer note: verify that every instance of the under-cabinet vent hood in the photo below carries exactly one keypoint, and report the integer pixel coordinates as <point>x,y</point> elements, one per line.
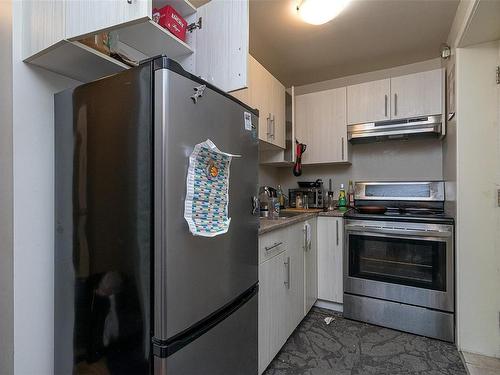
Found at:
<point>430,126</point>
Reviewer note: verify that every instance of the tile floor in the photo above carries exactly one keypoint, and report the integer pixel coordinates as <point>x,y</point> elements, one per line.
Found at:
<point>349,347</point>
<point>481,365</point>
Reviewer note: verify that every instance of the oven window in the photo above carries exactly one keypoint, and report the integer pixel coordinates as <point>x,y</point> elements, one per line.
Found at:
<point>412,262</point>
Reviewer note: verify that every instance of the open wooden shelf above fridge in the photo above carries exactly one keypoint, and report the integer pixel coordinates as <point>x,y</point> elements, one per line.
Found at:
<point>76,60</point>
<point>57,35</point>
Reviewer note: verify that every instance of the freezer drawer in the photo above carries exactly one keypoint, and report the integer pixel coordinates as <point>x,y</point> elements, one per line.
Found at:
<point>228,348</point>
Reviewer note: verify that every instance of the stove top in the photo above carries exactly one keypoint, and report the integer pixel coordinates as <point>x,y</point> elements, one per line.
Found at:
<point>405,215</point>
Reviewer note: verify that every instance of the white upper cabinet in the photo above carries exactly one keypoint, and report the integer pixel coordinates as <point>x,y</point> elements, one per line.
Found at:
<point>412,95</point>
<point>369,102</point>
<point>222,44</point>
<point>267,94</point>
<point>216,50</point>
<point>320,123</point>
<point>87,16</point>
<point>417,94</point>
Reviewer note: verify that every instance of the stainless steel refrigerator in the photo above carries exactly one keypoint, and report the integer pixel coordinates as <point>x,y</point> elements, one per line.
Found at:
<point>135,291</point>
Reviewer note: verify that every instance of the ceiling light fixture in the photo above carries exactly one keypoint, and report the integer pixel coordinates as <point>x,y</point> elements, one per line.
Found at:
<point>318,12</point>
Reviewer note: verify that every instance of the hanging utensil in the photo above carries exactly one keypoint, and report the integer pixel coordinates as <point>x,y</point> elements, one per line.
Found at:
<point>300,149</point>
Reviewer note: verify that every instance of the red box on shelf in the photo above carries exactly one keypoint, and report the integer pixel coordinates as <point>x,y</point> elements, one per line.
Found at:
<point>168,18</point>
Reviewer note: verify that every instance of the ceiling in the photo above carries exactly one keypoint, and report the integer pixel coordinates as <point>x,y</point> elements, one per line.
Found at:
<point>368,35</point>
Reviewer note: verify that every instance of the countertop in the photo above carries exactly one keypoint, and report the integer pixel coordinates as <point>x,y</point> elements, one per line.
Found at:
<point>268,225</point>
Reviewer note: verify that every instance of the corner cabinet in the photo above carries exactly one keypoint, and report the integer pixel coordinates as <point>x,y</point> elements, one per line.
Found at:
<point>267,94</point>
<point>330,255</point>
<point>320,123</point>
<point>412,95</point>
<point>216,50</point>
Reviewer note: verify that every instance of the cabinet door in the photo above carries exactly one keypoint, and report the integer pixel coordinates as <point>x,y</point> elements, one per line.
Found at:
<point>272,304</point>
<point>311,269</point>
<point>83,17</point>
<point>278,113</point>
<point>295,291</point>
<point>417,94</point>
<point>368,102</point>
<point>330,252</point>
<point>260,89</point>
<point>222,44</point>
<point>320,123</point>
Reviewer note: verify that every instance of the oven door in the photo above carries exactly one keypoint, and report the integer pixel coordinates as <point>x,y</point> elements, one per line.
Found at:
<point>411,263</point>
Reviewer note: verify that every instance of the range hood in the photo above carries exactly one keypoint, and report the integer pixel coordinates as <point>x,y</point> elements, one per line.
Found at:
<point>426,126</point>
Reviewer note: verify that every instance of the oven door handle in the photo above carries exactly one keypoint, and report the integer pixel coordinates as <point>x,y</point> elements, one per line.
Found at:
<point>404,232</point>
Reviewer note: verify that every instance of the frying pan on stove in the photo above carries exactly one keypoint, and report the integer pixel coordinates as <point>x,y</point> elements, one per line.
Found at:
<point>371,209</point>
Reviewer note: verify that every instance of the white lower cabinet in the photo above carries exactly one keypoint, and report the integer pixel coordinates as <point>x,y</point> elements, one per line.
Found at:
<point>310,267</point>
<point>272,308</point>
<point>287,286</point>
<point>295,293</point>
<point>330,248</point>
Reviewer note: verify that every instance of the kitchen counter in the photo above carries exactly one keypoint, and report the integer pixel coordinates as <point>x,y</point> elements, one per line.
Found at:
<point>268,225</point>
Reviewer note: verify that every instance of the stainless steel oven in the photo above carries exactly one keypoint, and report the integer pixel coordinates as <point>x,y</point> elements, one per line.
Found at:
<point>399,273</point>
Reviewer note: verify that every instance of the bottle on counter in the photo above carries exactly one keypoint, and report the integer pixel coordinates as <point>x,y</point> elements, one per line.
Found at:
<point>350,194</point>
<point>331,201</point>
<point>342,203</point>
<point>298,201</point>
<point>281,197</point>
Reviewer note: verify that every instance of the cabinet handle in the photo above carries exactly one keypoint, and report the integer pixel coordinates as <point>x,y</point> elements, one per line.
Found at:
<point>287,265</point>
<point>304,246</point>
<point>385,96</point>
<point>274,126</point>
<point>268,122</point>
<point>395,104</point>
<point>276,244</point>
<point>343,149</point>
<point>337,227</point>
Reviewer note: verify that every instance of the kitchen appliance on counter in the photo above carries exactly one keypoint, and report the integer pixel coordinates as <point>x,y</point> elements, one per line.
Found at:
<point>314,193</point>
<point>424,126</point>
<point>135,291</point>
<point>399,264</point>
<point>267,199</point>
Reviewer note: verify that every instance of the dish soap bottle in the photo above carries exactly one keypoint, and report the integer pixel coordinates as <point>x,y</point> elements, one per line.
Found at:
<point>342,199</point>
<point>281,197</point>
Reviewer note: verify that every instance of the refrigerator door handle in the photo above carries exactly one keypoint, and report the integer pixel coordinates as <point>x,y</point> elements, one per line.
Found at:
<point>255,205</point>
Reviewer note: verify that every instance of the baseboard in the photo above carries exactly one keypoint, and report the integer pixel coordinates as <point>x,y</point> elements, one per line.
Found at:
<point>334,306</point>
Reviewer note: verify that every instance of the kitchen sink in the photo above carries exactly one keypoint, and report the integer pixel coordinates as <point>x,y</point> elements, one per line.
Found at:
<point>289,214</point>
<point>285,215</point>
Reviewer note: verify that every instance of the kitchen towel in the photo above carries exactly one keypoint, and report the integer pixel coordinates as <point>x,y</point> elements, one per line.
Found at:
<point>207,190</point>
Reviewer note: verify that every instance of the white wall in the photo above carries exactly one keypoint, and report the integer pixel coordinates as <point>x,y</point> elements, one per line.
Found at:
<point>268,175</point>
<point>391,160</point>
<point>6,181</point>
<point>33,137</point>
<point>478,216</point>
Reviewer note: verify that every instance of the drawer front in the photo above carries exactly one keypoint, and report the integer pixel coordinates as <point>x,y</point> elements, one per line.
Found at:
<point>271,244</point>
